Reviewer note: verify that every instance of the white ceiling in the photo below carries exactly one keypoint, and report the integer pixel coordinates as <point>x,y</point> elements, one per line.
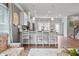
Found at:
<point>51,9</point>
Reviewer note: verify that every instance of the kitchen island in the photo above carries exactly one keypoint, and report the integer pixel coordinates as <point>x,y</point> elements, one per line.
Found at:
<point>38,37</point>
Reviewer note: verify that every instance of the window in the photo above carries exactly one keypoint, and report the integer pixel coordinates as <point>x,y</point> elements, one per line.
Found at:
<point>4,20</point>
<point>44,26</point>
<point>1,15</point>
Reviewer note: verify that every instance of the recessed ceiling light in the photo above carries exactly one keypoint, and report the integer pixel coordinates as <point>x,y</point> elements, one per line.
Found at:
<point>33,18</point>
<point>52,18</point>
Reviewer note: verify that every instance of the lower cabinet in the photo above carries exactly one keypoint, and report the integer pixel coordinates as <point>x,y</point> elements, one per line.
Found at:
<point>38,38</point>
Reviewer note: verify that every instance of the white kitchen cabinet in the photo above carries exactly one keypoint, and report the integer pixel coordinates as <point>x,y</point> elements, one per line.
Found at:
<point>33,37</point>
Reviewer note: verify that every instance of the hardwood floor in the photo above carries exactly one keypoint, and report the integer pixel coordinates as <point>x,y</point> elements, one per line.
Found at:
<point>67,42</point>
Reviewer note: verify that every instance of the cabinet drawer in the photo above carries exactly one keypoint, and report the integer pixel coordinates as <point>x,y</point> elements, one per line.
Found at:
<point>51,41</point>
<point>26,41</point>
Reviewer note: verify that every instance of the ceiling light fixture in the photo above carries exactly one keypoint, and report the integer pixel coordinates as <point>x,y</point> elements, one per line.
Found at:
<point>52,18</point>
<point>33,18</point>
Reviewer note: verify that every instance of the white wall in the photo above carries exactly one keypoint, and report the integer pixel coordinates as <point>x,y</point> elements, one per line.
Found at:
<point>65,23</point>
<point>23,18</point>
<point>59,21</point>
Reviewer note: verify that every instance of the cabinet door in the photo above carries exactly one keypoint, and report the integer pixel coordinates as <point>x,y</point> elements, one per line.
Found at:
<point>45,38</point>
<point>33,38</point>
